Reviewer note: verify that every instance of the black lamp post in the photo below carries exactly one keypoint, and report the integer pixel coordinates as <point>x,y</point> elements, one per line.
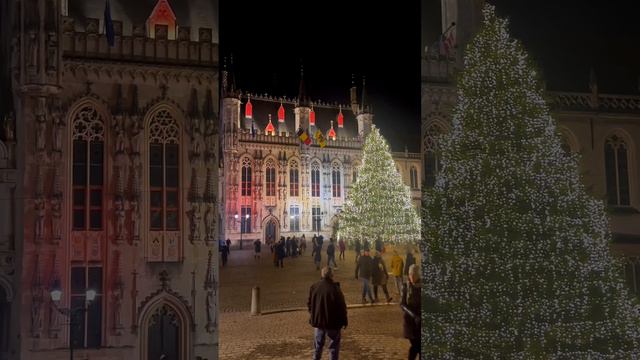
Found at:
<point>71,313</point>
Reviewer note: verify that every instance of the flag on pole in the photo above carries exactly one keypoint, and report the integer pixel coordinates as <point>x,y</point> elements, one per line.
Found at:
<point>321,140</point>
<point>304,136</point>
<point>108,25</point>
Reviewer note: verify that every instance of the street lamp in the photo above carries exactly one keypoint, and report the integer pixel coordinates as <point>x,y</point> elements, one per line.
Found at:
<point>71,313</point>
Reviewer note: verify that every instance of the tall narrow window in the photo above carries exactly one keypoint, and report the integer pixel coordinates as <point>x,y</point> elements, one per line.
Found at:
<point>245,219</point>
<point>88,331</point>
<point>315,179</point>
<point>316,219</point>
<point>246,177</point>
<point>294,223</point>
<point>164,183</point>
<point>413,174</point>
<point>270,175</point>
<point>431,160</point>
<point>336,176</point>
<point>294,184</point>
<point>617,171</point>
<point>88,170</point>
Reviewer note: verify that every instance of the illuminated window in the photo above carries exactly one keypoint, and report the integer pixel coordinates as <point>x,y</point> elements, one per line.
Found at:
<point>246,177</point>
<point>316,219</point>
<point>335,180</point>
<point>88,331</point>
<point>315,179</point>
<point>88,170</point>
<point>294,223</point>
<point>245,219</point>
<point>164,182</point>
<point>270,175</point>
<point>617,171</point>
<point>294,184</point>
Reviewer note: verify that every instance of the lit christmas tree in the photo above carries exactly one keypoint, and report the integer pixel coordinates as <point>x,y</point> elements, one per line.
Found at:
<point>379,203</point>
<point>517,258</point>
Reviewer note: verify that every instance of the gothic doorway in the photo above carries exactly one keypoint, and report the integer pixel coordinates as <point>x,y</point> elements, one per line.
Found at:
<point>164,333</point>
<point>271,229</point>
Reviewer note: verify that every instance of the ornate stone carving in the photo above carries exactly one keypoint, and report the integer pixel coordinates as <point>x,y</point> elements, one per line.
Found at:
<point>135,222</point>
<point>37,299</point>
<point>40,213</point>
<point>9,128</point>
<point>41,132</point>
<point>119,220</point>
<point>209,287</point>
<point>56,219</point>
<point>117,293</point>
<point>194,218</point>
<point>210,224</point>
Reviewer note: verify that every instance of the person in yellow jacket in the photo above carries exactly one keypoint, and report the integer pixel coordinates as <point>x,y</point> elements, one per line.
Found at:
<point>397,264</point>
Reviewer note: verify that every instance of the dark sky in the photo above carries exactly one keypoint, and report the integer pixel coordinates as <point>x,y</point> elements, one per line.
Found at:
<point>333,39</point>
<point>567,37</point>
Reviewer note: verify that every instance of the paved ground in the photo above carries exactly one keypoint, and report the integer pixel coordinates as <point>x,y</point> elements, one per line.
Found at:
<point>374,332</point>
<point>287,287</point>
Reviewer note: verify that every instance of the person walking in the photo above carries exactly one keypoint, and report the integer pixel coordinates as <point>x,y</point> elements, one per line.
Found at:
<point>379,277</point>
<point>257,248</point>
<point>397,265</point>
<point>303,245</point>
<point>342,246</point>
<point>365,245</point>
<point>228,245</point>
<point>379,245</point>
<point>287,244</point>
<point>357,247</point>
<point>363,272</point>
<point>224,252</point>
<point>328,314</point>
<point>282,252</point>
<point>331,254</point>
<point>410,305</point>
<point>317,258</point>
<point>314,245</point>
<point>409,260</point>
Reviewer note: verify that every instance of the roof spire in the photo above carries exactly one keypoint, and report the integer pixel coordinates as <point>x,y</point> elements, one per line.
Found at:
<point>364,95</point>
<point>332,133</point>
<point>303,100</point>
<point>270,128</point>
<point>281,113</point>
<point>340,118</point>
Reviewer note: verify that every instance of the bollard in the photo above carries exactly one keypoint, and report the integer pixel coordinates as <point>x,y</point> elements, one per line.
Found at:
<point>255,301</point>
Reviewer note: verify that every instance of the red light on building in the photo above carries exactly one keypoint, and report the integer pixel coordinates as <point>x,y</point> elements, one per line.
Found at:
<point>281,113</point>
<point>248,109</point>
<point>270,128</point>
<point>340,119</point>
<point>332,133</point>
<point>312,118</point>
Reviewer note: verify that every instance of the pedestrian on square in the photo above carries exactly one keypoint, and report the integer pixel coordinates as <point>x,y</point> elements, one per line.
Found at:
<point>328,314</point>
<point>364,272</point>
<point>314,245</point>
<point>342,246</point>
<point>409,260</point>
<point>379,277</point>
<point>397,265</point>
<point>410,305</point>
<point>379,245</point>
<point>228,245</point>
<point>317,258</point>
<point>282,252</point>
<point>365,245</point>
<point>320,241</point>
<point>358,248</point>
<point>287,244</point>
<point>331,254</point>
<point>224,251</point>
<point>294,247</point>
<point>257,247</point>
<point>303,245</point>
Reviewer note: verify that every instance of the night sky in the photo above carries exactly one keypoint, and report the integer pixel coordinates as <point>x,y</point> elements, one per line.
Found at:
<point>333,39</point>
<point>567,37</point>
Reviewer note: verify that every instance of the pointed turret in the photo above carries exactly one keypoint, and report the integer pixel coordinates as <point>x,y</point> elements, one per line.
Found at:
<point>340,118</point>
<point>303,99</point>
<point>331,134</point>
<point>312,117</point>
<point>364,114</point>
<point>282,126</point>
<point>229,80</point>
<point>270,129</point>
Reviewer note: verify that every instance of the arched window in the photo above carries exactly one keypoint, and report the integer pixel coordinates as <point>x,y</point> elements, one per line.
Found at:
<point>617,171</point>
<point>431,159</point>
<point>413,174</point>
<point>270,175</point>
<point>164,178</point>
<point>246,177</point>
<point>88,169</point>
<point>315,179</point>
<point>335,180</point>
<point>88,198</point>
<point>294,179</point>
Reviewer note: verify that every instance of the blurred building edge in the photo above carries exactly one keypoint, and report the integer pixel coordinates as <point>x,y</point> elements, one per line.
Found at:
<point>108,171</point>
<point>603,128</point>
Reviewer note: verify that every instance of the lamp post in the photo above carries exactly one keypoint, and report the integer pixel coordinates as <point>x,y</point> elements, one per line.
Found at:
<point>71,313</point>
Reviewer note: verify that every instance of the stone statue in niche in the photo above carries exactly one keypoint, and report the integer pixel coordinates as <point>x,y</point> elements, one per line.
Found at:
<point>9,128</point>
<point>56,219</point>
<point>210,224</point>
<point>117,293</point>
<point>136,137</point>
<point>52,52</point>
<point>120,217</point>
<point>32,47</point>
<point>135,222</point>
<point>41,130</point>
<point>195,218</point>
<point>137,176</point>
<point>40,212</point>
<point>120,140</point>
<point>58,131</point>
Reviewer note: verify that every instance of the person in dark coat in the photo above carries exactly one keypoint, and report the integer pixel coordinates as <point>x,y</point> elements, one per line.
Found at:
<point>364,272</point>
<point>320,241</point>
<point>379,245</point>
<point>287,245</point>
<point>366,246</point>
<point>379,277</point>
<point>317,257</point>
<point>331,254</point>
<point>224,252</point>
<point>342,246</point>
<point>314,245</point>
<point>357,247</point>
<point>410,305</point>
<point>229,245</point>
<point>328,313</point>
<point>257,248</point>
<point>281,251</point>
<point>409,260</point>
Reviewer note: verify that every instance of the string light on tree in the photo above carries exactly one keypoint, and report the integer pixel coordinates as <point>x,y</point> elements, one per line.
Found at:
<point>517,263</point>
<point>379,203</point>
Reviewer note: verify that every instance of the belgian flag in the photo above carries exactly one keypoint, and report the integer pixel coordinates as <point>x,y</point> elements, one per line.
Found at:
<point>304,136</point>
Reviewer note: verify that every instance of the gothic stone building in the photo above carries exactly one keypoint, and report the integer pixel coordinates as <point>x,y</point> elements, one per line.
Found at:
<point>273,185</point>
<point>111,173</point>
<point>603,128</point>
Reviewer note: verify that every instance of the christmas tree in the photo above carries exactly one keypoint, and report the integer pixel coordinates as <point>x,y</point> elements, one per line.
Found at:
<point>379,203</point>
<point>517,258</point>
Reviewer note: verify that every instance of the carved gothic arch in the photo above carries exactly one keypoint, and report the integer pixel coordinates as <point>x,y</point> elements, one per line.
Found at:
<point>570,138</point>
<point>155,301</point>
<point>263,226</point>
<point>632,160</point>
